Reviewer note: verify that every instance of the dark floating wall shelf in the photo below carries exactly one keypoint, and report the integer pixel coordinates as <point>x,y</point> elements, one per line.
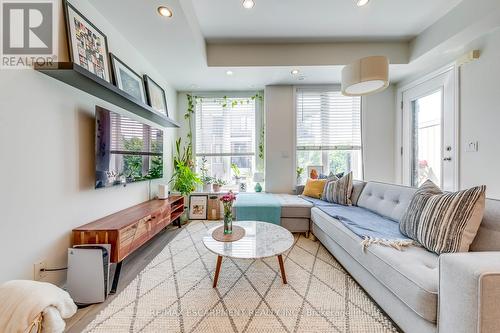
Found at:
<point>78,77</point>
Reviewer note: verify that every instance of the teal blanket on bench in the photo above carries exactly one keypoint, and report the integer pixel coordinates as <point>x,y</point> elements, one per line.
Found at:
<point>258,207</point>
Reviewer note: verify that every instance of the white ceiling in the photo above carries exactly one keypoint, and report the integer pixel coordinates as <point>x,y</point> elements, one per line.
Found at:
<point>176,46</point>
<point>318,19</point>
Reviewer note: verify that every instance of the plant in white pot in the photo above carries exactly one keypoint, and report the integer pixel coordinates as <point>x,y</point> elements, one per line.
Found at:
<point>204,177</point>
<point>236,172</point>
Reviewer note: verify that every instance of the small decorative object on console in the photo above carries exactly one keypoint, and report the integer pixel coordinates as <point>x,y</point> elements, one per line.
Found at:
<point>313,171</point>
<point>227,201</point>
<point>163,191</point>
<point>258,177</point>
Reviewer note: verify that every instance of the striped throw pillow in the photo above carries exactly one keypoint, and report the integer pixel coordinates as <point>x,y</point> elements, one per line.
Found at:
<point>444,222</point>
<point>410,221</point>
<point>339,191</point>
<point>331,178</point>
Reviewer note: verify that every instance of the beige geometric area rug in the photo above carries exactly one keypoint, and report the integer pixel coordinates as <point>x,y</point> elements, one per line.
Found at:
<point>174,293</point>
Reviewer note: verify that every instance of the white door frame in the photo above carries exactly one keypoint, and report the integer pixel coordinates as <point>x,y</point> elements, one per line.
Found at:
<point>452,101</point>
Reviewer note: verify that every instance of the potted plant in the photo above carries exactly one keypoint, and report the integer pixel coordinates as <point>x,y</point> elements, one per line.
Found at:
<point>184,179</point>
<point>236,172</point>
<point>204,177</point>
<point>300,171</point>
<point>217,184</point>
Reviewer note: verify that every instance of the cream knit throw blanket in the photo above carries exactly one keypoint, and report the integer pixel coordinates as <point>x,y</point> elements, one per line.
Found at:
<point>23,301</point>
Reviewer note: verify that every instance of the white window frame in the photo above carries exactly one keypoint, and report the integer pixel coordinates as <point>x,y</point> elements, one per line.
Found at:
<point>259,123</point>
<point>333,87</point>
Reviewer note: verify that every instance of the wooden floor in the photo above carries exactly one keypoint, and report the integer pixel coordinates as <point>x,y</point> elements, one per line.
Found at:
<point>132,266</point>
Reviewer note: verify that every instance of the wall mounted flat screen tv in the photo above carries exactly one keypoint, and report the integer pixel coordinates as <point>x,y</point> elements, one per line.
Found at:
<point>126,150</point>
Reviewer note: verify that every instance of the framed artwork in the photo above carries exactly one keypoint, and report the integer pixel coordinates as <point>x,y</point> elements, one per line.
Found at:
<point>88,46</point>
<point>127,80</point>
<point>198,207</point>
<point>156,95</point>
<point>313,171</point>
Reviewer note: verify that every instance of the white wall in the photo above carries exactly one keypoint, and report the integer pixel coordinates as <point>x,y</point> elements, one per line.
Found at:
<point>379,121</point>
<point>47,161</point>
<point>480,117</point>
<point>378,137</point>
<point>280,131</point>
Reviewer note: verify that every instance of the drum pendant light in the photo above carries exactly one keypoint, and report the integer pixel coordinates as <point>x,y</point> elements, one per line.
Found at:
<point>365,76</point>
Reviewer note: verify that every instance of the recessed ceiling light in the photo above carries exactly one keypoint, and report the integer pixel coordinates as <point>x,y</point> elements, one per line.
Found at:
<point>295,72</point>
<point>165,12</point>
<point>248,4</point>
<point>361,3</point>
<point>229,73</point>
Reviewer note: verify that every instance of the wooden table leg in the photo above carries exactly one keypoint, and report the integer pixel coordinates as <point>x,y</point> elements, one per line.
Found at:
<point>116,278</point>
<point>217,271</point>
<point>282,269</point>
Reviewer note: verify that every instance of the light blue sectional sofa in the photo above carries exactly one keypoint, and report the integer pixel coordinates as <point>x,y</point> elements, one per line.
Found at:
<point>421,291</point>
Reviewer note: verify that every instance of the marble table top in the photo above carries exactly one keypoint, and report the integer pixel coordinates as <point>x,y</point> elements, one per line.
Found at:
<point>261,240</point>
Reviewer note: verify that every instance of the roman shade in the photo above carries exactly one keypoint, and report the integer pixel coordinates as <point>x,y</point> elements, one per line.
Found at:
<point>327,120</point>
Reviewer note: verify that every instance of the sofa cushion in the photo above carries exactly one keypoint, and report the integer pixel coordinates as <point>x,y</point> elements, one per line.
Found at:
<point>294,206</point>
<point>444,222</point>
<point>314,188</point>
<point>488,235</point>
<point>339,191</point>
<point>386,199</point>
<point>357,188</point>
<point>295,224</point>
<point>411,275</point>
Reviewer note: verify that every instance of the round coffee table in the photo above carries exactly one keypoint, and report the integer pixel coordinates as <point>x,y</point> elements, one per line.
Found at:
<point>261,240</point>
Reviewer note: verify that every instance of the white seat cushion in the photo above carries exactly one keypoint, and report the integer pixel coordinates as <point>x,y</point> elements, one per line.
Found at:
<point>293,206</point>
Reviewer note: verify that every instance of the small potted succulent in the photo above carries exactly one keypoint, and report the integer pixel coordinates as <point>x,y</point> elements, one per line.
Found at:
<point>207,183</point>
<point>217,184</point>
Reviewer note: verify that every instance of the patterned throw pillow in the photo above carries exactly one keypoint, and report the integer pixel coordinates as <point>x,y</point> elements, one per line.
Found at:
<point>444,222</point>
<point>331,178</point>
<point>339,191</point>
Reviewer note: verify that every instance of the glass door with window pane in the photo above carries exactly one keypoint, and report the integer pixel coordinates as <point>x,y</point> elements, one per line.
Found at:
<point>429,133</point>
<point>426,162</point>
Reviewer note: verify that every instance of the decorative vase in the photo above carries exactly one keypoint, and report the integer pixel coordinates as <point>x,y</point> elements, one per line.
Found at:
<point>258,188</point>
<point>228,224</point>
<point>216,188</point>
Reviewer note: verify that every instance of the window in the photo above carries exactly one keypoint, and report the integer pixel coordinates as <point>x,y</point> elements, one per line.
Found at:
<point>225,136</point>
<point>328,132</point>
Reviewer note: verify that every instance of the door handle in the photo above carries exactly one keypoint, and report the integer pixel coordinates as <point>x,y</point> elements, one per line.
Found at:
<point>447,159</point>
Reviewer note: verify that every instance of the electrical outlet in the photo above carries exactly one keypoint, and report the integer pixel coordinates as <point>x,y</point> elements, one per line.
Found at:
<point>38,274</point>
